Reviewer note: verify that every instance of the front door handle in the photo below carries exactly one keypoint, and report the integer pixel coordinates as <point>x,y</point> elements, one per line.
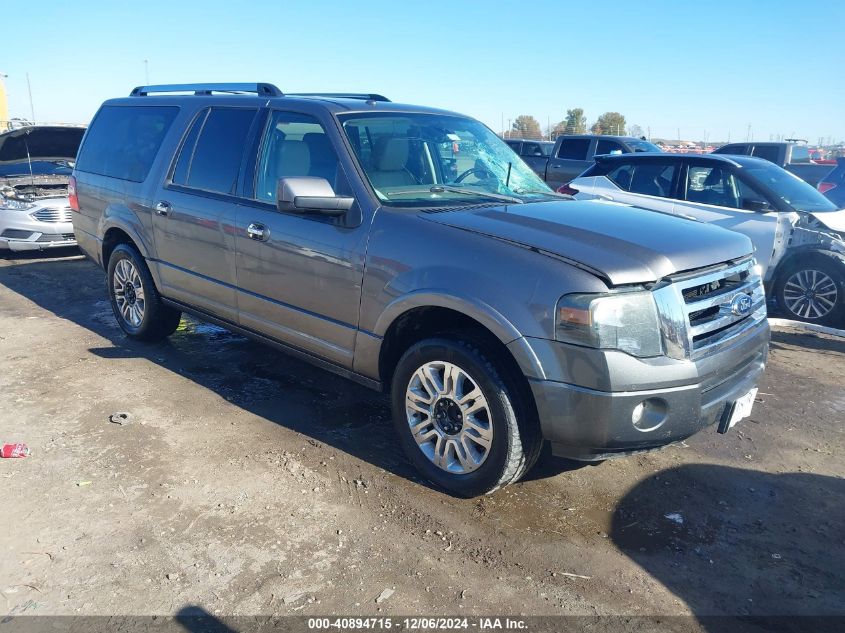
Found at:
<point>257,231</point>
<point>163,208</point>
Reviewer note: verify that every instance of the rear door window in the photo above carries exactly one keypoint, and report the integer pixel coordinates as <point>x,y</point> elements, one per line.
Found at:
<point>217,155</point>
<point>767,152</point>
<point>123,141</point>
<point>650,179</point>
<point>736,148</point>
<point>574,149</point>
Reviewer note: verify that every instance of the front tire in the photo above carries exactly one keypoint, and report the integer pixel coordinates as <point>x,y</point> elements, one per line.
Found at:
<point>813,290</point>
<point>461,418</point>
<point>135,299</point>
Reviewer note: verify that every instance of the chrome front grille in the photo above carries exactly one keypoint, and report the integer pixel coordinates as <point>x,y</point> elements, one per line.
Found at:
<point>703,311</point>
<point>54,215</point>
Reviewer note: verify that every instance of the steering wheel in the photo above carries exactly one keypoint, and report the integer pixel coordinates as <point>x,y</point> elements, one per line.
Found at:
<point>471,170</point>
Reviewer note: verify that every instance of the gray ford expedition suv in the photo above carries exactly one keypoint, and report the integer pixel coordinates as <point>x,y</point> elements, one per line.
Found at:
<point>349,231</point>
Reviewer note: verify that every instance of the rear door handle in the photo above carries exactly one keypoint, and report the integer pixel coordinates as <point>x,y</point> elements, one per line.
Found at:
<point>163,208</point>
<point>257,231</point>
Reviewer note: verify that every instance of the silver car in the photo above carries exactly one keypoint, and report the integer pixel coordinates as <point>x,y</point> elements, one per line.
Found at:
<point>797,232</point>
<point>35,164</point>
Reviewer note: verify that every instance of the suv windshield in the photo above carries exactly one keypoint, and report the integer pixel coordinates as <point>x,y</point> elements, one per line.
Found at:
<point>425,160</point>
<point>789,188</point>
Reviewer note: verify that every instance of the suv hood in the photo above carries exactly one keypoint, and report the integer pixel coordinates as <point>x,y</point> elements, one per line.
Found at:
<point>623,244</point>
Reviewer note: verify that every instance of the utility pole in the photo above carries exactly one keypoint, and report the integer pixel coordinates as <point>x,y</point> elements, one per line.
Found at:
<point>748,133</point>
<point>29,89</point>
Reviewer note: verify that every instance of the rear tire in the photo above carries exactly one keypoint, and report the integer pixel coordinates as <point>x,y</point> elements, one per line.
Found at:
<point>491,442</point>
<point>813,290</point>
<point>135,299</point>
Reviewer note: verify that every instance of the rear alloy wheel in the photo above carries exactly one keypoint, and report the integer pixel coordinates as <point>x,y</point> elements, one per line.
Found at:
<point>134,298</point>
<point>461,416</point>
<point>128,292</point>
<point>814,291</point>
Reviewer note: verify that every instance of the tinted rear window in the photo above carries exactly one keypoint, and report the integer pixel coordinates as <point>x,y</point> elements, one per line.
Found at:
<point>219,149</point>
<point>574,148</point>
<point>123,141</point>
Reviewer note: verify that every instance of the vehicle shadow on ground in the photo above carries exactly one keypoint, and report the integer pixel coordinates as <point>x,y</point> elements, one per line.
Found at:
<point>257,378</point>
<point>778,537</point>
<point>807,341</point>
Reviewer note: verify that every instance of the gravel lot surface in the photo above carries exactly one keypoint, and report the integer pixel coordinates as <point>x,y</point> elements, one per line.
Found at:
<point>246,482</point>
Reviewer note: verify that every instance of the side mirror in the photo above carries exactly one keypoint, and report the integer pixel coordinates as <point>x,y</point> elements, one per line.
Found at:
<point>758,206</point>
<point>305,194</point>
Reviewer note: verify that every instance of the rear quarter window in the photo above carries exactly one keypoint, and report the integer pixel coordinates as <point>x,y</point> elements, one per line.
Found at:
<point>122,141</point>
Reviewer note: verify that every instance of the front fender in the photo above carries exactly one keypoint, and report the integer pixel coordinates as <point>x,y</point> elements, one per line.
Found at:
<point>485,314</point>
<point>797,254</point>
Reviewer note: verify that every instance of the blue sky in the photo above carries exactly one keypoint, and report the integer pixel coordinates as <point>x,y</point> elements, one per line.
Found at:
<point>712,66</point>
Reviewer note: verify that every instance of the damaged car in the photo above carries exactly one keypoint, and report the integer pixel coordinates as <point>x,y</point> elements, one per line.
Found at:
<point>35,166</point>
<point>797,232</point>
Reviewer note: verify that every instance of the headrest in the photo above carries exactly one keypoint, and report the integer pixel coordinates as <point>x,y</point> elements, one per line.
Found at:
<point>392,153</point>
<point>295,159</point>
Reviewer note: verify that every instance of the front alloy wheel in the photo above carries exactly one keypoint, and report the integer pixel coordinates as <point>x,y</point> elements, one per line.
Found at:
<point>812,289</point>
<point>810,294</point>
<point>463,415</point>
<point>449,417</point>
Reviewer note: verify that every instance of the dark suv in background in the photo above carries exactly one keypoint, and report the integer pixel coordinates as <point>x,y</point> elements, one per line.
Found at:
<point>409,249</point>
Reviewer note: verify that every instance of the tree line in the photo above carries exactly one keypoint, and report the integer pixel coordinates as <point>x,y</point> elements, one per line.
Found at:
<point>612,123</point>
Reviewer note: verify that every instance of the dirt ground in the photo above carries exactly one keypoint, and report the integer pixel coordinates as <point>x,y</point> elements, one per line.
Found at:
<point>247,482</point>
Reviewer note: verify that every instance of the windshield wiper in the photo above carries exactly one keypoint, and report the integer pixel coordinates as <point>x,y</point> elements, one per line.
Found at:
<point>473,192</point>
<point>554,194</point>
<point>451,189</point>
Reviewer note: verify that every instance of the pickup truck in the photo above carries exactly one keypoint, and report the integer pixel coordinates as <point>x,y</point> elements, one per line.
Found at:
<point>347,231</point>
<point>534,153</point>
<point>572,154</point>
<point>793,157</point>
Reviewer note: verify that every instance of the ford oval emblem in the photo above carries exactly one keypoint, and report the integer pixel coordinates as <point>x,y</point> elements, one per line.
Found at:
<point>741,304</point>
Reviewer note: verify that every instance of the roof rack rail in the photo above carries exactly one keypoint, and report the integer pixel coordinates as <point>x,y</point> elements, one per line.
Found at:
<point>365,96</point>
<point>261,89</point>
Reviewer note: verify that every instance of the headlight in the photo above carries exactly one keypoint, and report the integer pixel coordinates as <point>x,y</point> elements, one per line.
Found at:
<point>10,204</point>
<point>626,321</point>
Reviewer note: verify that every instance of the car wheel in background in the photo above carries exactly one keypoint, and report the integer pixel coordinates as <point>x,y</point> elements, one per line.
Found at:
<point>134,298</point>
<point>462,422</point>
<point>813,290</point>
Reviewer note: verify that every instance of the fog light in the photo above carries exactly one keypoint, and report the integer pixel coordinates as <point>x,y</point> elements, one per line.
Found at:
<point>649,415</point>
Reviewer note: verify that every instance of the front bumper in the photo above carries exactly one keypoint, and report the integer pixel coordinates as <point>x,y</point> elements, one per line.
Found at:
<point>43,242</point>
<point>589,415</point>
<point>47,225</point>
<point>24,231</point>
